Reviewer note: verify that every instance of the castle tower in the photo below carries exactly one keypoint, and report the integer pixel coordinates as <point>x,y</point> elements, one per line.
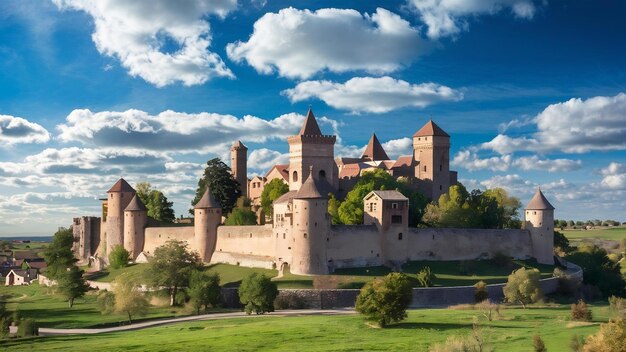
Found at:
<point>539,220</point>
<point>374,150</point>
<point>310,228</point>
<point>208,216</point>
<point>118,198</point>
<point>239,165</point>
<point>135,222</point>
<point>311,148</point>
<point>431,148</point>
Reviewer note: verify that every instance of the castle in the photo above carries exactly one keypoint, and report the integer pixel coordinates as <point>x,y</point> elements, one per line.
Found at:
<point>300,234</point>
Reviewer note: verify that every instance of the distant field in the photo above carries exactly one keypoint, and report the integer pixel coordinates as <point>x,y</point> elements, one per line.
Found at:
<point>611,233</point>
<point>337,333</point>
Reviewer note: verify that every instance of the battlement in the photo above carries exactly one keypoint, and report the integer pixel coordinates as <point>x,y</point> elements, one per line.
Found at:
<point>314,139</point>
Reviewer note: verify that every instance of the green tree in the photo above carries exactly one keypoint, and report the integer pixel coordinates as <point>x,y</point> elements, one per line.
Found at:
<point>119,257</point>
<point>159,208</point>
<point>59,255</point>
<point>71,284</point>
<point>272,191</point>
<point>599,270</point>
<point>106,302</point>
<point>426,277</point>
<point>128,298</point>
<point>224,187</point>
<point>204,290</point>
<point>241,216</point>
<point>257,293</point>
<point>508,208</point>
<point>385,300</point>
<point>523,286</point>
<point>333,209</point>
<point>171,267</point>
<point>561,242</point>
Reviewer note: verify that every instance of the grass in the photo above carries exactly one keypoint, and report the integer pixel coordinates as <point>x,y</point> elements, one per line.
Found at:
<point>512,333</point>
<point>135,271</point>
<point>610,233</point>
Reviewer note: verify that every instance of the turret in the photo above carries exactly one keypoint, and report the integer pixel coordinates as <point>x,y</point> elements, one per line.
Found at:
<point>374,150</point>
<point>135,221</point>
<point>239,166</point>
<point>539,220</point>
<point>431,149</point>
<point>208,216</point>
<point>310,228</point>
<point>118,198</point>
<point>311,148</point>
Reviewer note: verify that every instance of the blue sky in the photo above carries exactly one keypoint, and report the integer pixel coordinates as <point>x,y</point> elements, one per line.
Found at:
<point>531,92</point>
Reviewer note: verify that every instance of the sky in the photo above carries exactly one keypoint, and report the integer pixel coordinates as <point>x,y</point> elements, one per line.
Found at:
<point>532,93</point>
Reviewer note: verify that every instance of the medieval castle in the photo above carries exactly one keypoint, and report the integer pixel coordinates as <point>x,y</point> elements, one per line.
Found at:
<point>301,235</point>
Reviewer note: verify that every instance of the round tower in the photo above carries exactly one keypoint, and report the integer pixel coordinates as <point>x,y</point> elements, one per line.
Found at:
<point>539,220</point>
<point>135,221</point>
<point>118,198</point>
<point>310,230</point>
<point>207,217</point>
<point>239,166</point>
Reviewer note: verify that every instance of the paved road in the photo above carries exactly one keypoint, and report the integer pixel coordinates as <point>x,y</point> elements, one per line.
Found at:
<point>216,316</point>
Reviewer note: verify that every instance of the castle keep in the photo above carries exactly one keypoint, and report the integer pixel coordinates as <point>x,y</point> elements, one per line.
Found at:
<point>301,235</point>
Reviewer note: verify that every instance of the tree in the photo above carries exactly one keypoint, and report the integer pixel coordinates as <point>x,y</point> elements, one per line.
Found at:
<point>106,302</point>
<point>561,242</point>
<point>538,344</point>
<point>171,266</point>
<point>257,293</point>
<point>223,186</point>
<point>128,298</point>
<point>241,216</point>
<point>610,338</point>
<point>59,255</point>
<point>599,270</point>
<point>426,277</point>
<point>119,257</point>
<point>523,286</point>
<point>159,208</point>
<point>333,209</point>
<point>71,284</point>
<point>204,290</point>
<point>385,300</point>
<point>481,293</point>
<point>272,191</point>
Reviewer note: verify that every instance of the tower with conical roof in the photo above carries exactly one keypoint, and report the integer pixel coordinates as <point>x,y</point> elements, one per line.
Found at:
<point>207,217</point>
<point>135,222</point>
<point>239,165</point>
<point>539,220</point>
<point>374,150</point>
<point>118,198</point>
<point>311,148</point>
<point>310,228</point>
<point>431,149</point>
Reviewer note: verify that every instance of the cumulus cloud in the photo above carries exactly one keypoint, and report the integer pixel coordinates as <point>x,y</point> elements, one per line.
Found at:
<point>374,95</point>
<point>614,176</point>
<point>449,17</point>
<point>263,159</point>
<point>470,160</point>
<point>174,131</point>
<point>300,43</point>
<point>161,41</point>
<point>397,147</point>
<point>574,126</point>
<point>16,130</point>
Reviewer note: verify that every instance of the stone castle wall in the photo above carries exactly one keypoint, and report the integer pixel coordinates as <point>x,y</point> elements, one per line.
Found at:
<point>158,236</point>
<point>353,246</point>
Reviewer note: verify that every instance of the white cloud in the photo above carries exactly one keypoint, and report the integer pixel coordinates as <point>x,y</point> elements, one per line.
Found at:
<point>470,160</point>
<point>374,95</point>
<point>16,130</point>
<point>575,126</point>
<point>614,176</point>
<point>398,147</point>
<point>300,43</point>
<point>449,17</point>
<point>263,159</point>
<point>161,41</point>
<point>550,165</point>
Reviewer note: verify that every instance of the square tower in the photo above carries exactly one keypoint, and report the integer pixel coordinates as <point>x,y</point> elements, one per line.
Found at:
<point>431,151</point>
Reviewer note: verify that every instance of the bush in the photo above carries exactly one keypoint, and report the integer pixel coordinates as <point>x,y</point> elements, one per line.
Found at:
<point>289,302</point>
<point>610,338</point>
<point>480,292</point>
<point>581,312</point>
<point>475,342</point>
<point>617,306</point>
<point>576,343</point>
<point>488,309</point>
<point>385,300</point>
<point>599,270</point>
<point>523,287</point>
<point>257,293</point>
<point>204,290</point>
<point>27,327</point>
<point>119,257</point>
<point>426,277</point>
<point>502,260</point>
<point>5,323</point>
<point>106,302</point>
<point>538,344</point>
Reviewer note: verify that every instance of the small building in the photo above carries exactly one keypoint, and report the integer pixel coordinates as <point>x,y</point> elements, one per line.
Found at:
<point>17,277</point>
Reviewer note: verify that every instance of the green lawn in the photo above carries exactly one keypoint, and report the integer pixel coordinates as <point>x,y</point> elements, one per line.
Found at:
<point>513,332</point>
<point>611,233</point>
<point>108,275</point>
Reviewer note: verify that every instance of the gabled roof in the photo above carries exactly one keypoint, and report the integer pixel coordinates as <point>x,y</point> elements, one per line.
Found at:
<point>431,129</point>
<point>539,202</point>
<point>239,145</point>
<point>25,254</point>
<point>309,189</point>
<point>403,161</point>
<point>310,126</point>
<point>374,150</point>
<point>207,201</point>
<point>388,195</point>
<point>282,170</point>
<point>136,205</point>
<point>121,186</point>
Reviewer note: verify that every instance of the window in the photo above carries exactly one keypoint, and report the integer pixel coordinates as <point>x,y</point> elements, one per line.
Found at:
<point>394,205</point>
<point>400,236</point>
<point>322,174</point>
<point>440,187</point>
<point>440,167</point>
<point>425,169</point>
<point>396,219</point>
<point>295,176</point>
<point>305,236</point>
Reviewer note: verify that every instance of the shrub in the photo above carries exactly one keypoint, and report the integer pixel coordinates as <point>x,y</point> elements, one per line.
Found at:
<point>204,290</point>
<point>480,292</point>
<point>425,277</point>
<point>617,306</point>
<point>576,343</point>
<point>538,344</point>
<point>289,302</point>
<point>610,338</point>
<point>27,327</point>
<point>119,257</point>
<point>581,312</point>
<point>5,322</point>
<point>488,309</point>
<point>523,287</point>
<point>475,342</point>
<point>385,300</point>
<point>257,293</point>
<point>106,302</point>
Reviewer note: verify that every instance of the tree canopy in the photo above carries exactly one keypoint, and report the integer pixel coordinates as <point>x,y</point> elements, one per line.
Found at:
<point>385,300</point>
<point>119,257</point>
<point>224,187</point>
<point>159,208</point>
<point>204,290</point>
<point>257,293</point>
<point>128,298</point>
<point>241,216</point>
<point>71,284</point>
<point>59,255</point>
<point>523,287</point>
<point>272,191</point>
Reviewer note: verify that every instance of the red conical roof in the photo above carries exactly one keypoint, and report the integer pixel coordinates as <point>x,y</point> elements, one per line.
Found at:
<point>207,201</point>
<point>136,205</point>
<point>539,202</point>
<point>310,126</point>
<point>431,129</point>
<point>374,150</point>
<point>121,186</point>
